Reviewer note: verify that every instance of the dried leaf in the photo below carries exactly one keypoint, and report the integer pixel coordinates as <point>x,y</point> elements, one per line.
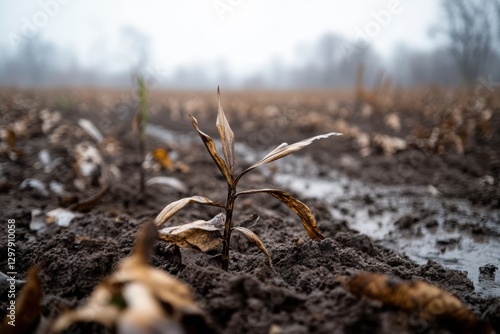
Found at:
<point>28,307</point>
<point>99,308</point>
<point>284,149</point>
<point>61,217</point>
<point>170,210</point>
<point>417,296</point>
<point>388,144</point>
<point>58,189</point>
<point>201,234</point>
<point>254,238</point>
<point>10,138</point>
<point>211,148</point>
<point>37,222</point>
<point>143,313</point>
<point>138,298</point>
<point>302,210</point>
<point>161,155</point>
<point>90,129</point>
<point>172,182</point>
<point>89,165</point>
<point>226,136</point>
<point>36,184</point>
<point>250,221</point>
<point>275,329</point>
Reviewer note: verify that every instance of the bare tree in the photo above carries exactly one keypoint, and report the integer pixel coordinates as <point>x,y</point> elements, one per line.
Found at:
<point>468,28</point>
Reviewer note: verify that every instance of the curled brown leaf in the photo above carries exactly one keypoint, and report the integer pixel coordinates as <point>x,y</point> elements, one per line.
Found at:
<point>226,136</point>
<point>212,149</point>
<point>254,238</point>
<point>285,149</point>
<point>170,210</point>
<point>416,296</point>
<point>250,221</point>
<point>201,234</point>
<point>300,209</point>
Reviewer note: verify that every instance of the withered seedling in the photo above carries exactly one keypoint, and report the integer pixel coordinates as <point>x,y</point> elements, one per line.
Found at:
<point>206,235</point>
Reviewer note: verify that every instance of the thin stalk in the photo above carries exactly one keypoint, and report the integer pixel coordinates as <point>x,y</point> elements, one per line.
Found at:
<point>231,196</point>
<point>141,160</point>
<point>143,121</point>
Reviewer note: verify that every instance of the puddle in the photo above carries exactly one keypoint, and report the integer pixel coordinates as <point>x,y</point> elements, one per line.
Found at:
<point>443,231</point>
<point>440,236</point>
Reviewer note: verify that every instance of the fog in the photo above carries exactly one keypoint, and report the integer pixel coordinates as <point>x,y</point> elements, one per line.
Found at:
<point>236,44</point>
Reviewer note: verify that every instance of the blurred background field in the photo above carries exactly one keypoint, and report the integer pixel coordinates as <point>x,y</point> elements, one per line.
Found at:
<point>241,44</point>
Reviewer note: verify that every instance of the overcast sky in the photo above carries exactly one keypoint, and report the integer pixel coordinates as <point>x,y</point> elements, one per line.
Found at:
<point>245,35</point>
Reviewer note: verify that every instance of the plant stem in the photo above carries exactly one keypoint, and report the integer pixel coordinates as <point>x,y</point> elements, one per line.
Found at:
<point>142,150</point>
<point>143,121</point>
<point>231,192</point>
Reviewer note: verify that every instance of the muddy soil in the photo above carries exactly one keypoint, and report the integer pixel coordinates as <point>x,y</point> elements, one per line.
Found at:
<point>438,223</point>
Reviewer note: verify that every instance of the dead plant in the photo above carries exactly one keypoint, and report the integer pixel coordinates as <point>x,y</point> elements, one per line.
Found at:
<point>206,235</point>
